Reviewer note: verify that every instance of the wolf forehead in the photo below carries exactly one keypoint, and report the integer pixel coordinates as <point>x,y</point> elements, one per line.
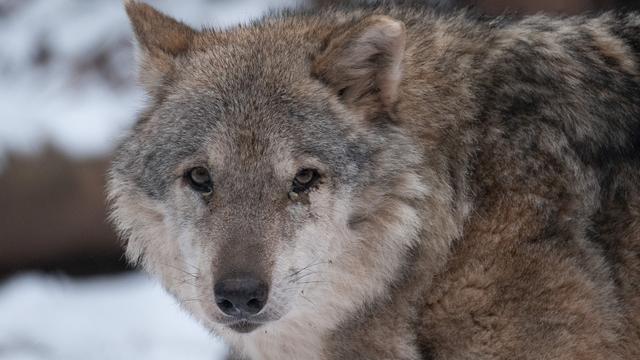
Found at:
<point>249,112</point>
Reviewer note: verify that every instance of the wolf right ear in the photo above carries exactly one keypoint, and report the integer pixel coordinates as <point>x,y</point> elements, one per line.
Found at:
<point>160,40</point>
<point>364,63</point>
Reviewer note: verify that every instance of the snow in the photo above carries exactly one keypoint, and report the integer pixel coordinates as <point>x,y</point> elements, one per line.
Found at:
<point>121,317</point>
<point>67,74</point>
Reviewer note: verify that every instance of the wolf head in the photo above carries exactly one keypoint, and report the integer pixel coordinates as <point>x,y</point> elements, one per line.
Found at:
<point>269,179</point>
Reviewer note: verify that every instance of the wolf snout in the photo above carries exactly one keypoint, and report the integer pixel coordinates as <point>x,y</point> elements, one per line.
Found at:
<point>241,297</point>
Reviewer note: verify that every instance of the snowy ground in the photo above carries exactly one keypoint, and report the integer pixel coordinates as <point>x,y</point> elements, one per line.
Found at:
<point>111,318</point>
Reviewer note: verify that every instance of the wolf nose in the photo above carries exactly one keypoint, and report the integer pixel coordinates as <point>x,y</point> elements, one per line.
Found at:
<point>241,296</point>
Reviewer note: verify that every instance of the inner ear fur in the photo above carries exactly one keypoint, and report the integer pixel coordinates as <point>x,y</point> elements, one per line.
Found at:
<point>160,39</point>
<point>364,63</point>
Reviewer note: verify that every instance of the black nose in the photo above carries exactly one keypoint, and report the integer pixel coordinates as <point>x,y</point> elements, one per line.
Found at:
<point>241,296</point>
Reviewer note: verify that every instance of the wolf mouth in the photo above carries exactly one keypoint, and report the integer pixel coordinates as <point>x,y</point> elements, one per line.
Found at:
<point>244,326</point>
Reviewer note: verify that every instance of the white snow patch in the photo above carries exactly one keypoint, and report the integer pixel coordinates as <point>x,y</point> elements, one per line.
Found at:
<point>51,90</point>
<point>119,317</point>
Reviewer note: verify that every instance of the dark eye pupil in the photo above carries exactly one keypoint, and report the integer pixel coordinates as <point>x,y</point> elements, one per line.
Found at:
<point>304,180</point>
<point>200,180</point>
<point>304,176</point>
<point>200,175</point>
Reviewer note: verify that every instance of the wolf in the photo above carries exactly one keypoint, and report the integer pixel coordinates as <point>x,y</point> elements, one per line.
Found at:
<point>391,182</point>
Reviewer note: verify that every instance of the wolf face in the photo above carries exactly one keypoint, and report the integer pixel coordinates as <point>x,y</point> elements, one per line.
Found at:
<point>268,181</point>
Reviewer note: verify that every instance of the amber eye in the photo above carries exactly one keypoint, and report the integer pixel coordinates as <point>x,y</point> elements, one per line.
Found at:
<point>304,180</point>
<point>200,180</point>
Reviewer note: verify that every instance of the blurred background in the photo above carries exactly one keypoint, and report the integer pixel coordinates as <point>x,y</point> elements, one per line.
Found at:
<point>67,93</point>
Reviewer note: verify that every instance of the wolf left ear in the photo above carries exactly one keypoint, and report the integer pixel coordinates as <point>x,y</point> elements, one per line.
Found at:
<point>160,40</point>
<point>364,64</point>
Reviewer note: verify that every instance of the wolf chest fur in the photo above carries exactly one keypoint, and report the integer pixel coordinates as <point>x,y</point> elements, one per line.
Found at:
<point>391,183</point>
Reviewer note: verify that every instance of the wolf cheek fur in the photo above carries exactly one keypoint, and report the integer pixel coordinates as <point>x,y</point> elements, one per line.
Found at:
<point>463,189</point>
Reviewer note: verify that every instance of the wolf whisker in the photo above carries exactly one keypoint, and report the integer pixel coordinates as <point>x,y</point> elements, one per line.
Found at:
<point>197,270</point>
<point>306,298</point>
<point>293,281</point>
<point>184,280</point>
<point>189,300</point>
<point>315,282</point>
<point>306,268</point>
<point>194,275</point>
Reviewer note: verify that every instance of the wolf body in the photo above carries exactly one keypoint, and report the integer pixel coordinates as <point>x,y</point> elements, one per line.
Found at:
<point>390,183</point>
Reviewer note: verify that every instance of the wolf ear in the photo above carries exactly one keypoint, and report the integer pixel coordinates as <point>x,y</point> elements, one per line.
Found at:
<point>160,40</point>
<point>364,64</point>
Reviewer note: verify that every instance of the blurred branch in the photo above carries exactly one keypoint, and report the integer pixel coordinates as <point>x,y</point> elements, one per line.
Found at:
<point>52,214</point>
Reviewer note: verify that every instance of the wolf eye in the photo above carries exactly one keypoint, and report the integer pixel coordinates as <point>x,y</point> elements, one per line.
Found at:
<point>200,180</point>
<point>304,180</point>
